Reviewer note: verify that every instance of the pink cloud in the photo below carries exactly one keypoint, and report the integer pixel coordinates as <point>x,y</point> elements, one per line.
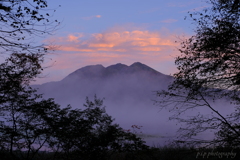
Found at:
<point>74,38</point>
<point>76,50</point>
<point>115,45</point>
<point>116,41</point>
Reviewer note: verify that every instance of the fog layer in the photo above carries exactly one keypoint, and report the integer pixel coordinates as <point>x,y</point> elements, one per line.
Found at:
<point>128,92</point>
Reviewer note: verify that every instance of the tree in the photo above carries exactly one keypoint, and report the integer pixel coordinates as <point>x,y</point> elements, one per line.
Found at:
<point>30,124</point>
<point>24,113</point>
<point>91,134</point>
<point>208,71</point>
<point>22,125</point>
<point>21,21</point>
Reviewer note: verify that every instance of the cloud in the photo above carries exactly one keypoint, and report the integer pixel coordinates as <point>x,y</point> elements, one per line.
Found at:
<point>74,38</point>
<point>91,17</point>
<point>169,21</point>
<point>116,41</point>
<point>115,45</point>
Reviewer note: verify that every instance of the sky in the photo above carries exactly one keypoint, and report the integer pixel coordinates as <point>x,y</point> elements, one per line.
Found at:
<point>116,31</point>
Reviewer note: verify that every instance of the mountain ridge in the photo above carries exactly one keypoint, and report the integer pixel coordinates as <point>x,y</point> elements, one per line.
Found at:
<point>98,71</point>
<point>128,92</point>
<point>135,81</point>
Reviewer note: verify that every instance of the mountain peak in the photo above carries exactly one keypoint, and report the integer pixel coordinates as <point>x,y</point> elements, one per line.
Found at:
<point>88,71</point>
<point>116,68</point>
<point>98,71</point>
<point>137,66</point>
<point>92,67</point>
<point>118,65</point>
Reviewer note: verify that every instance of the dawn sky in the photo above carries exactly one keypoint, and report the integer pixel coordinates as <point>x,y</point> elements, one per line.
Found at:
<point>121,31</point>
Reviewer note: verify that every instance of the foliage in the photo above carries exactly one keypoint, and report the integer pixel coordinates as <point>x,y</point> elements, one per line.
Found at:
<point>23,113</point>
<point>23,131</point>
<point>21,21</point>
<point>30,124</point>
<point>208,71</point>
<point>210,57</point>
<point>90,133</point>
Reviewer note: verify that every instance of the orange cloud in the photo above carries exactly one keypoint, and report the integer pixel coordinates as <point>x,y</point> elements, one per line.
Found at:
<point>101,45</point>
<point>151,49</point>
<point>74,49</point>
<point>114,46</point>
<point>118,44</point>
<point>122,41</point>
<point>74,38</point>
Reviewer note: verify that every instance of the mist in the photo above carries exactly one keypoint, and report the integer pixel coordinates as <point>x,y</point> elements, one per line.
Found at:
<point>128,93</point>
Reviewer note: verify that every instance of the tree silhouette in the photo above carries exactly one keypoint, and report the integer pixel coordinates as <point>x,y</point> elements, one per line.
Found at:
<point>24,115</point>
<point>21,21</point>
<point>22,125</point>
<point>29,123</point>
<point>208,71</point>
<point>91,134</point>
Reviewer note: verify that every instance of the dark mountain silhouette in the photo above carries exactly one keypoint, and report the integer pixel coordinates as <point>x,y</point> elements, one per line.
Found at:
<point>98,71</point>
<point>128,93</point>
<point>119,80</point>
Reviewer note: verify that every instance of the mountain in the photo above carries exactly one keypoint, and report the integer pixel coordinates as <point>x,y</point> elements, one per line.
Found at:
<point>128,93</point>
<point>119,80</point>
<point>98,71</point>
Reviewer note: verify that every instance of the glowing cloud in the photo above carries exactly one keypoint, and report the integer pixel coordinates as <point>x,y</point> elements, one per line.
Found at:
<point>74,38</point>
<point>131,43</point>
<point>113,46</point>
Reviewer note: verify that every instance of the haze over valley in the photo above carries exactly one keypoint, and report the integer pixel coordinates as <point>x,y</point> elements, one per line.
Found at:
<point>128,92</point>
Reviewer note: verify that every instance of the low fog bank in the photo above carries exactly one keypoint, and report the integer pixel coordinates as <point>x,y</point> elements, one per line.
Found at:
<point>129,94</point>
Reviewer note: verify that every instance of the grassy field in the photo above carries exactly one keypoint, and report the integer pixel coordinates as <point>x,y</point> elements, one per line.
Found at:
<point>154,153</point>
